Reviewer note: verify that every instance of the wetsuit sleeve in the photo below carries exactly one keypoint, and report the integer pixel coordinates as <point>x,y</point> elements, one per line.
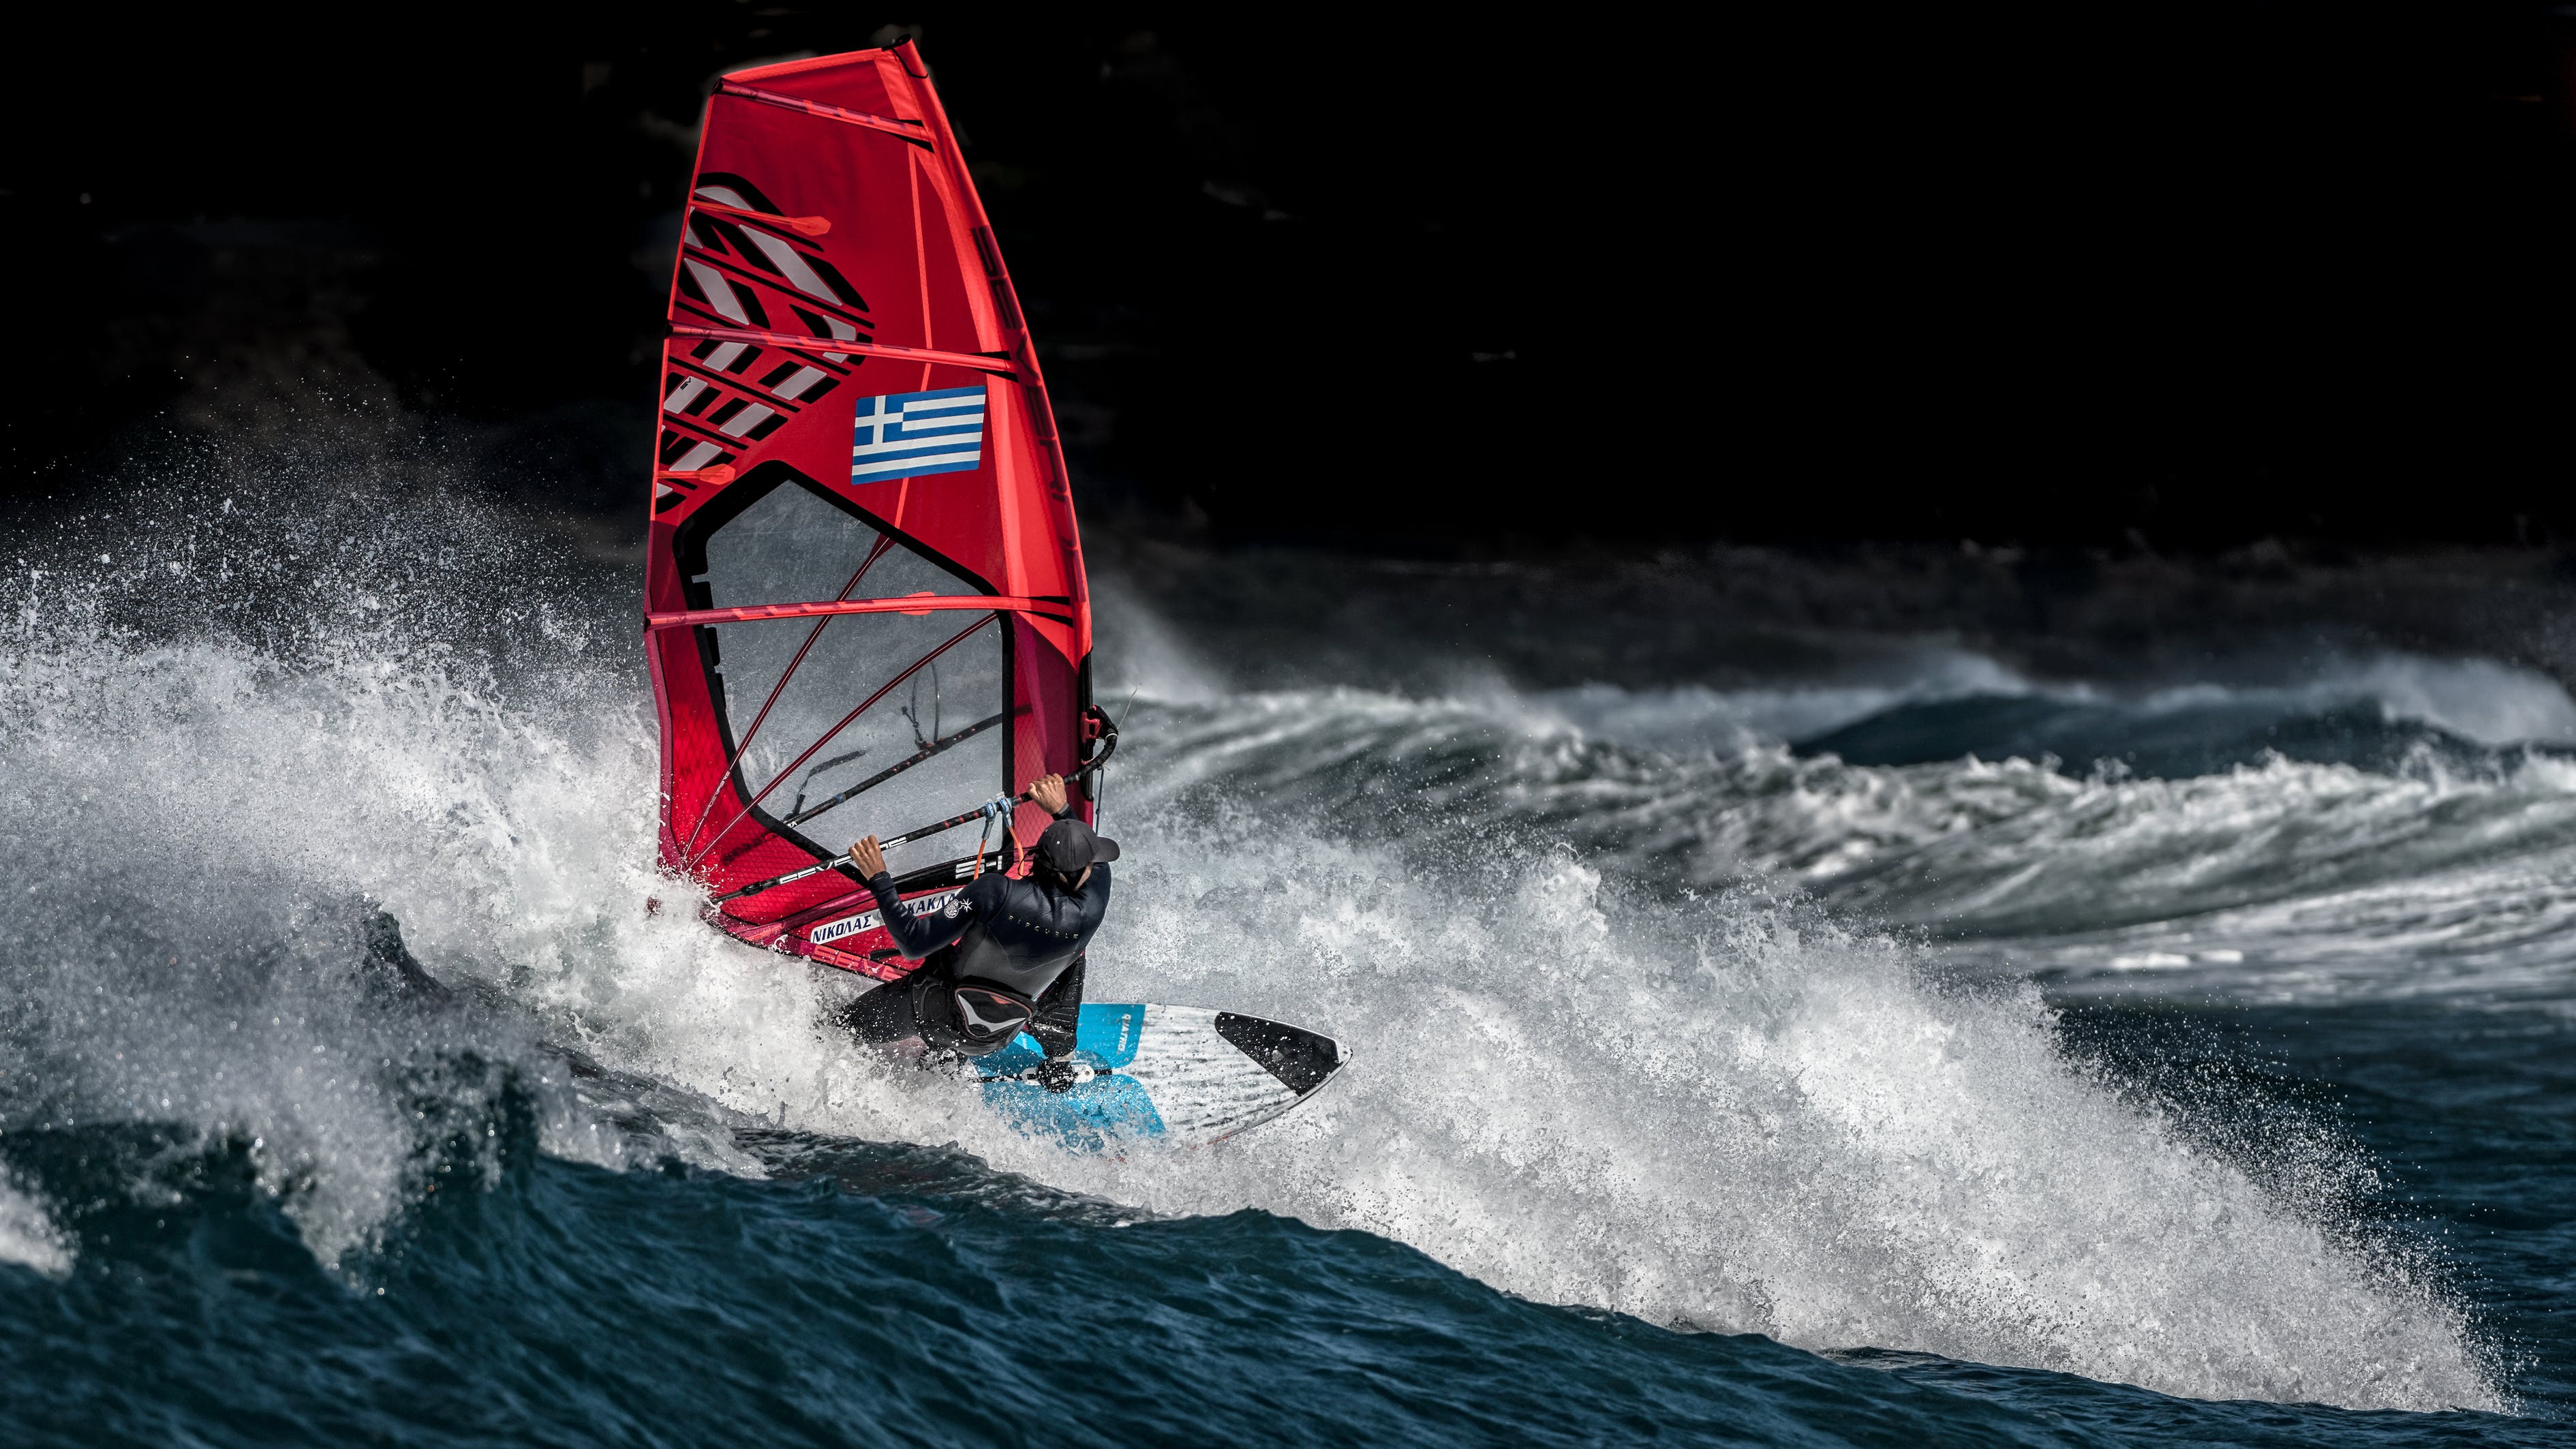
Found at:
<point>918,936</point>
<point>1060,1013</point>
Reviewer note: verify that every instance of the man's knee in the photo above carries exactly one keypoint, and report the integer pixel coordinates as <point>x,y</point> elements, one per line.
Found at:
<point>882,1014</point>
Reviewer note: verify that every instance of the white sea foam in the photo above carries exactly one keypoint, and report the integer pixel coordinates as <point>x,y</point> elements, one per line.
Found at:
<point>2485,700</point>
<point>1734,1114</point>
<point>2119,852</point>
<point>1726,1113</point>
<point>2480,932</point>
<point>1697,718</point>
<point>28,1238</point>
<point>199,812</point>
<point>2011,850</point>
<point>197,828</point>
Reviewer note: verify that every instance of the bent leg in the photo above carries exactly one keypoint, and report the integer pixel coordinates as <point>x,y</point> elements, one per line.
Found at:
<point>881,1015</point>
<point>1060,1012</point>
<point>897,1009</point>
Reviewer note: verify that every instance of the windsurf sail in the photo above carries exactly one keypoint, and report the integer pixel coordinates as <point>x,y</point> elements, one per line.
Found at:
<point>863,588</point>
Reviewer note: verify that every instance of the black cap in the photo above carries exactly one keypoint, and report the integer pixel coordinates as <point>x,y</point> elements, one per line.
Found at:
<point>1069,848</point>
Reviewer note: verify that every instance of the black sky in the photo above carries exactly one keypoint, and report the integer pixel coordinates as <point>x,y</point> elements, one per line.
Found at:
<point>2135,280</point>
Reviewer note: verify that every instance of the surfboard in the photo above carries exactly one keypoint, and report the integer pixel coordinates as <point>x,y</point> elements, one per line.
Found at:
<point>864,594</point>
<point>1172,1076</point>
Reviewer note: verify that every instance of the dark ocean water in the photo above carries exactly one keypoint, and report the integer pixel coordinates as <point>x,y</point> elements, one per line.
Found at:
<point>868,1293</point>
<point>1912,1054</point>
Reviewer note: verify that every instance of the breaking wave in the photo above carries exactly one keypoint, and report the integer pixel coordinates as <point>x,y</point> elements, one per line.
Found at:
<point>2348,875</point>
<point>1599,1062</point>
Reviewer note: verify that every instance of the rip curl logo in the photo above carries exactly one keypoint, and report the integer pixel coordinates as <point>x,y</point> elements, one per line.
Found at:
<point>831,931</point>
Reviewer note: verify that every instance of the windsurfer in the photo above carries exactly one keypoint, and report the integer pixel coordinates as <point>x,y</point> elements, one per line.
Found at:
<point>1004,956</point>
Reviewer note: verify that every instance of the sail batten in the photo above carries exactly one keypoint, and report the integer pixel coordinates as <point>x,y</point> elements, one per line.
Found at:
<point>1056,608</point>
<point>850,401</point>
<point>982,362</point>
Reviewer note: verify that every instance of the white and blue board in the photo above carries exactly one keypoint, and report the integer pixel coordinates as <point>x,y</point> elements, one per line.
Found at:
<point>1174,1076</point>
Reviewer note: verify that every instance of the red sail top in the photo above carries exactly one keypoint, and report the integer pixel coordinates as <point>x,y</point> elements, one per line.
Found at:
<point>863,586</point>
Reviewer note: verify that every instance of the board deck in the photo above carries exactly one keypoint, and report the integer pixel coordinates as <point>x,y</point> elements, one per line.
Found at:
<point>1181,1076</point>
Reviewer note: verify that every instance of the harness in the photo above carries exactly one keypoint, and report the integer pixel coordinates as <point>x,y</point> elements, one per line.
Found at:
<point>1006,961</point>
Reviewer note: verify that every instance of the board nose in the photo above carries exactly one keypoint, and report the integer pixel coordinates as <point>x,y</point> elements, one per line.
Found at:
<point>1300,1059</point>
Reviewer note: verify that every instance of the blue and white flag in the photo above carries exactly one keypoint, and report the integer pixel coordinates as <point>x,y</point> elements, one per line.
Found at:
<point>907,434</point>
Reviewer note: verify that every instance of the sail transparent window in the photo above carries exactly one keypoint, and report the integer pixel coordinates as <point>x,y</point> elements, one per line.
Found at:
<point>929,690</point>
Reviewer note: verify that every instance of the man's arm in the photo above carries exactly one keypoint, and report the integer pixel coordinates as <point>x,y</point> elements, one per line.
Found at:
<point>915,936</point>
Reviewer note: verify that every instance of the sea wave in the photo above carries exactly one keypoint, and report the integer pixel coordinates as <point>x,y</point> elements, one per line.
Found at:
<point>1612,1051</point>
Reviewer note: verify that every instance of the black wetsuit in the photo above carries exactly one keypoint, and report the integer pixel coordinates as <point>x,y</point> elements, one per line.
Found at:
<point>1023,937</point>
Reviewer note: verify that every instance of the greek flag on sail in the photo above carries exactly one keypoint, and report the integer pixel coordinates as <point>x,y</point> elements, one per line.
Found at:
<point>907,434</point>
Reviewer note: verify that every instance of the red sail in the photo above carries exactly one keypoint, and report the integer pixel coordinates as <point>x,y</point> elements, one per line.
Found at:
<point>863,590</point>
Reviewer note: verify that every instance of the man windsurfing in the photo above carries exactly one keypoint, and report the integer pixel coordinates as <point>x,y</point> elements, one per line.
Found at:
<point>1004,956</point>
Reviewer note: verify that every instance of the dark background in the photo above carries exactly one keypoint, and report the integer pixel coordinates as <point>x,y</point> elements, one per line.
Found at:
<point>2137,281</point>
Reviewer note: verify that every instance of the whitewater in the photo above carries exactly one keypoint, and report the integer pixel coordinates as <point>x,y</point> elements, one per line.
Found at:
<point>1682,1013</point>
